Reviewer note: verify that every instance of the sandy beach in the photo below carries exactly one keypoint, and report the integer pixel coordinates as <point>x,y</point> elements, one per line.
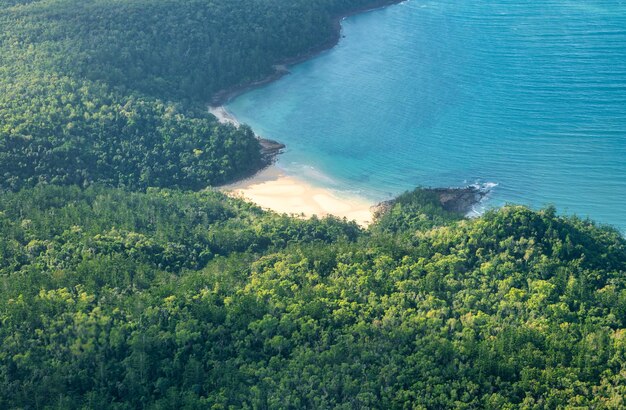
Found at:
<point>223,115</point>
<point>273,189</point>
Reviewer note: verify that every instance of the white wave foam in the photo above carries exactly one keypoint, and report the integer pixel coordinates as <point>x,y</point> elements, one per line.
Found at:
<point>481,207</point>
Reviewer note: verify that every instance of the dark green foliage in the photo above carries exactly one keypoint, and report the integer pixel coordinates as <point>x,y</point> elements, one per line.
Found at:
<point>164,229</point>
<point>169,300</point>
<point>169,48</point>
<point>56,130</point>
<point>84,85</point>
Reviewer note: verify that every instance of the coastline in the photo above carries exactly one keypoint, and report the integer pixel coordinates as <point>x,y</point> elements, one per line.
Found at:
<point>269,148</point>
<point>280,68</point>
<point>273,189</point>
<point>223,116</point>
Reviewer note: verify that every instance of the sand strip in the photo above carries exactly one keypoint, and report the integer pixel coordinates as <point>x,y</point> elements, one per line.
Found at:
<point>223,115</point>
<point>273,189</point>
<point>282,193</point>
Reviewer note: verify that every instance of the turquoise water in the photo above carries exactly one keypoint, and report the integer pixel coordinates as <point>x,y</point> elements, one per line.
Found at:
<point>528,95</point>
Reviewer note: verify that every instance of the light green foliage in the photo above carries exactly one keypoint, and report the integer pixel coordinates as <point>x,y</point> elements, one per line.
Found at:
<point>413,210</point>
<point>167,299</point>
<point>171,299</point>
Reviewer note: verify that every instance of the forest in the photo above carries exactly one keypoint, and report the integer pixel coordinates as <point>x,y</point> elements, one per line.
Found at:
<point>166,299</point>
<point>115,92</point>
<point>128,281</point>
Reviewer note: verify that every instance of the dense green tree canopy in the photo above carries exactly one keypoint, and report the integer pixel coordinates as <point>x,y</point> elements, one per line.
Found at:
<point>79,133</point>
<point>116,91</point>
<point>166,299</point>
<point>120,288</point>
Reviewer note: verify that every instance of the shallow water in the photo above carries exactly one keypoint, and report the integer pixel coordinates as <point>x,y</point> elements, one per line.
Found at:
<point>530,96</point>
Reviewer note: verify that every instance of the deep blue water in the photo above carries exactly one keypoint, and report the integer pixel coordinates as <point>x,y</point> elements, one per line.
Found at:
<point>530,95</point>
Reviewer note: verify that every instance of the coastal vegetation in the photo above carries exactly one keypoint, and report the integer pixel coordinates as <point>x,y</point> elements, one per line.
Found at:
<point>57,130</point>
<point>125,284</point>
<point>166,299</point>
<point>115,92</point>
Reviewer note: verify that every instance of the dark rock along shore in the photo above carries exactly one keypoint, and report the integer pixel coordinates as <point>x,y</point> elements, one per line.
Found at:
<point>459,200</point>
<point>270,149</point>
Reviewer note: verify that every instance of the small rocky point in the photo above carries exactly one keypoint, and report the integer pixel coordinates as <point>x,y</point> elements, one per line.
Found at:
<point>270,148</point>
<point>459,200</point>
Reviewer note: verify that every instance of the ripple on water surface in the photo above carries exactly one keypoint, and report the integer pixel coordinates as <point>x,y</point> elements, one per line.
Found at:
<point>530,95</point>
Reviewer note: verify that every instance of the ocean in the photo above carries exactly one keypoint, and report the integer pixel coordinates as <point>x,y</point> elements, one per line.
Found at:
<point>528,98</point>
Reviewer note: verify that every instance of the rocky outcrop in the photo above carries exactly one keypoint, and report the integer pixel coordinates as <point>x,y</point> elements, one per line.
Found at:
<point>460,200</point>
<point>270,149</point>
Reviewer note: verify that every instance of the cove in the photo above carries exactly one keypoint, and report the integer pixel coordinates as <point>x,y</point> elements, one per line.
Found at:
<point>530,96</point>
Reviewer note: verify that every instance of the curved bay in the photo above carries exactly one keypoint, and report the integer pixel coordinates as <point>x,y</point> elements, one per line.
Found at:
<point>528,95</point>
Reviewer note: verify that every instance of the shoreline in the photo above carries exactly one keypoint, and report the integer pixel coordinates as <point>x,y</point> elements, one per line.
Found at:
<point>270,149</point>
<point>222,97</point>
<point>274,189</point>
